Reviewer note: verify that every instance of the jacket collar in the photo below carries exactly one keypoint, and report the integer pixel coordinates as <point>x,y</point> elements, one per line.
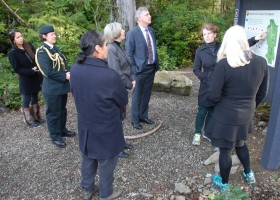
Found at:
<point>90,60</point>
<point>120,50</point>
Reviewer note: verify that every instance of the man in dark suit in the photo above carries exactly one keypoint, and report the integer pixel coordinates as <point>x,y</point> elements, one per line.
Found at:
<point>53,65</point>
<point>141,49</point>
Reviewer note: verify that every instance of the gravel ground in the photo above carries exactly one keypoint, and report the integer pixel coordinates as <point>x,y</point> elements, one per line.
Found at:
<point>32,168</point>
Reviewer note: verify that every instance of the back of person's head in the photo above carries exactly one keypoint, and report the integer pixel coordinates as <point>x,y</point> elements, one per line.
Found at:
<point>235,47</point>
<point>112,31</point>
<point>87,44</point>
<point>139,12</point>
<point>209,27</point>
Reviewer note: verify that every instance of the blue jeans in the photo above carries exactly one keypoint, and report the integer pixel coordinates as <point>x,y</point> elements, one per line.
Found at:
<point>202,117</point>
<point>106,174</point>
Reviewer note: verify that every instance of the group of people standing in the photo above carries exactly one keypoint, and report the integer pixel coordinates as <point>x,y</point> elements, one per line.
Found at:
<point>100,78</point>
<point>233,82</point>
<point>103,73</point>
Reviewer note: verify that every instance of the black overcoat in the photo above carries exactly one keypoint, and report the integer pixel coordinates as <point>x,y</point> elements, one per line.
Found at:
<point>99,96</point>
<point>29,80</point>
<point>203,68</point>
<point>235,93</point>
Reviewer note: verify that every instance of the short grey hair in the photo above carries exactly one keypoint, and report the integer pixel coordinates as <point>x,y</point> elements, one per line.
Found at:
<point>139,12</point>
<point>112,31</point>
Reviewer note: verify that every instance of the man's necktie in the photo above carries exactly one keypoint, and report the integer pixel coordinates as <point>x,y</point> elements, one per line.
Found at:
<point>150,50</point>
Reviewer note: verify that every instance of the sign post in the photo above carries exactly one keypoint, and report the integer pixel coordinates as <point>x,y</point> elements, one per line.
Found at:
<point>259,16</point>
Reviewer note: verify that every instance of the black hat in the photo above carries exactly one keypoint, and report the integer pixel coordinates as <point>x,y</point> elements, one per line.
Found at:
<point>46,29</point>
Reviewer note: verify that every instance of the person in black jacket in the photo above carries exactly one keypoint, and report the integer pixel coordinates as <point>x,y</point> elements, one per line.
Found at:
<point>239,84</point>
<point>204,63</point>
<point>22,59</point>
<point>99,98</point>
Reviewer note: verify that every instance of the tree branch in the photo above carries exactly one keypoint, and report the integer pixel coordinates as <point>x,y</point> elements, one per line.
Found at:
<point>18,18</point>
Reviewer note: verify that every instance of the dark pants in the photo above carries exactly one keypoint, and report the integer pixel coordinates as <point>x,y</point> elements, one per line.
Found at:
<point>142,93</point>
<point>225,161</point>
<point>203,115</point>
<point>29,99</point>
<point>106,174</point>
<point>56,115</point>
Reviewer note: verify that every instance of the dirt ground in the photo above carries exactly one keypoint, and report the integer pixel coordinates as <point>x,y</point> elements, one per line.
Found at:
<point>32,168</point>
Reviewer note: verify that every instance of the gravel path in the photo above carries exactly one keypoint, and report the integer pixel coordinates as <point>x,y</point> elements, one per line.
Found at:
<point>32,168</point>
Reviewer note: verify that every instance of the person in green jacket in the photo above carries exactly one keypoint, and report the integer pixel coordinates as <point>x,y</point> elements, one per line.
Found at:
<point>53,66</point>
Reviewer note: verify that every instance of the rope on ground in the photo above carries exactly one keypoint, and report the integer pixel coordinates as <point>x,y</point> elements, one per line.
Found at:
<point>132,137</point>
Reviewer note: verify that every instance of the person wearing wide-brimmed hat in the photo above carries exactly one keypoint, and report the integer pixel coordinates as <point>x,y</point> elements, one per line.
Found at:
<point>53,65</point>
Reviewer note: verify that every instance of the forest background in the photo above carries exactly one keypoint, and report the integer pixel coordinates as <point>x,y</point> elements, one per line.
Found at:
<point>177,24</point>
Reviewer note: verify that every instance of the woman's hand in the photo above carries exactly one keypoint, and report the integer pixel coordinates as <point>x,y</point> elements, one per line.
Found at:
<point>261,36</point>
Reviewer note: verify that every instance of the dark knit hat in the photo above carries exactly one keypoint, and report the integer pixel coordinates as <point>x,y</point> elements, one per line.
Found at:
<point>46,29</point>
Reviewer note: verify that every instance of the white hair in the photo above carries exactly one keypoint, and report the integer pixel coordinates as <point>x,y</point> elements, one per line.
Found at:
<point>139,12</point>
<point>112,31</point>
<point>235,47</point>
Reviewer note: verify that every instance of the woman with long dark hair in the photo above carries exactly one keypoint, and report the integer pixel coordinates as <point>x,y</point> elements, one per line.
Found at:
<point>22,59</point>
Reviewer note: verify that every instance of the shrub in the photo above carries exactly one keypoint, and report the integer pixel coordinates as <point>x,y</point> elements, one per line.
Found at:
<point>178,27</point>
<point>166,62</point>
<point>9,92</point>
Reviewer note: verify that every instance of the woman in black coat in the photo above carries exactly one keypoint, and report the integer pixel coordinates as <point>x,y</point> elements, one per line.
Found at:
<point>22,59</point>
<point>238,85</point>
<point>204,63</point>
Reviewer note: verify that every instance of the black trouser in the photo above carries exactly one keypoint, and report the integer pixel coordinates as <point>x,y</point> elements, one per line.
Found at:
<point>225,161</point>
<point>142,93</point>
<point>56,115</point>
<point>29,99</point>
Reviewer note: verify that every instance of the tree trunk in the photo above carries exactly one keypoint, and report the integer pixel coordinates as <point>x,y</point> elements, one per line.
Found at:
<point>18,18</point>
<point>123,11</point>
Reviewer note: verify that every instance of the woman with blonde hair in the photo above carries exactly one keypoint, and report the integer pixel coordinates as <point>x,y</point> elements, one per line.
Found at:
<point>238,86</point>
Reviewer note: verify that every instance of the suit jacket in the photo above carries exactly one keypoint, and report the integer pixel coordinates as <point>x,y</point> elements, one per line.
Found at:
<point>137,50</point>
<point>54,82</point>
<point>118,60</point>
<point>99,96</point>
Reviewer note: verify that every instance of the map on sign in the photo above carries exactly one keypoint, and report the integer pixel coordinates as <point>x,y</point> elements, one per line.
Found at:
<point>259,21</point>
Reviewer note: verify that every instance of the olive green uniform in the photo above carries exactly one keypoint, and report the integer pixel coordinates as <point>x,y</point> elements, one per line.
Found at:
<point>55,86</point>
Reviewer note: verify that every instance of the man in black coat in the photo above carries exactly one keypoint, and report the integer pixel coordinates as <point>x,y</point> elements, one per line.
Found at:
<point>55,87</point>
